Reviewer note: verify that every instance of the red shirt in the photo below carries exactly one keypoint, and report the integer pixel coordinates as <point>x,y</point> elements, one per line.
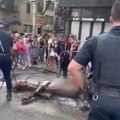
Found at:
<point>68,44</point>
<point>22,49</point>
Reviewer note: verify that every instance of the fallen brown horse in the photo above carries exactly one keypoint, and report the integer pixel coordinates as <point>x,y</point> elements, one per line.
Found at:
<point>63,88</point>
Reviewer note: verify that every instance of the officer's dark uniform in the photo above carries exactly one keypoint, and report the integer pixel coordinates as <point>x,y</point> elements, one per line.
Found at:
<point>64,61</point>
<point>104,53</point>
<point>5,62</point>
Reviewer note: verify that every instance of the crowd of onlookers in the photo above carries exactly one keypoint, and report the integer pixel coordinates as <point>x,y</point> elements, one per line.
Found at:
<point>30,50</point>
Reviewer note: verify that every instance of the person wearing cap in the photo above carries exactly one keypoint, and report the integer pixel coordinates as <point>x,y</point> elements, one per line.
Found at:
<point>15,55</point>
<point>6,44</point>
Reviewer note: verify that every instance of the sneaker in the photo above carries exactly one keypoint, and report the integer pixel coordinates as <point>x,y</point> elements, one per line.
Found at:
<point>9,97</point>
<point>29,65</point>
<point>65,77</point>
<point>20,66</point>
<point>23,68</point>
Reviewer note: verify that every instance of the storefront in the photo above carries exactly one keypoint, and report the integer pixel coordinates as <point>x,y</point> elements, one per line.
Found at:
<point>86,27</point>
<point>88,17</point>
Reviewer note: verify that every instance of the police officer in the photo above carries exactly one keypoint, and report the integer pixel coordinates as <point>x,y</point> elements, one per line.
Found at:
<point>6,43</point>
<point>104,53</point>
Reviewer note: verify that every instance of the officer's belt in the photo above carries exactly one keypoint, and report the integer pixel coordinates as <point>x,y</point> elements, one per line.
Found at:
<point>109,92</point>
<point>5,54</point>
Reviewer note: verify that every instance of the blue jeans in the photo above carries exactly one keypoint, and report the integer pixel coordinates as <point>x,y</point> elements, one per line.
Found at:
<point>105,108</point>
<point>5,66</point>
<point>42,54</point>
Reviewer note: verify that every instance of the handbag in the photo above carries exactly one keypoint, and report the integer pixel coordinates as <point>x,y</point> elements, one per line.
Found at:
<point>52,53</point>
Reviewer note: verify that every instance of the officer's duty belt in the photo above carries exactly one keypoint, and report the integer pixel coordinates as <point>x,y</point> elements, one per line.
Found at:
<point>4,54</point>
<point>109,92</point>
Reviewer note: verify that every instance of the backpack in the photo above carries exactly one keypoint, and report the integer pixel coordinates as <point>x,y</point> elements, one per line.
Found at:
<point>41,42</point>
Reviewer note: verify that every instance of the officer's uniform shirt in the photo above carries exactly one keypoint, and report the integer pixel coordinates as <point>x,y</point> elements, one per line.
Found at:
<point>85,55</point>
<point>6,41</point>
<point>105,102</point>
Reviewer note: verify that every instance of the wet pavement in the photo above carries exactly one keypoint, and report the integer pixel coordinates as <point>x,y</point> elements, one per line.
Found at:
<point>54,109</point>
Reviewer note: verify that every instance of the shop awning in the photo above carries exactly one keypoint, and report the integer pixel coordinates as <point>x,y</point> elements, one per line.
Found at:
<point>11,22</point>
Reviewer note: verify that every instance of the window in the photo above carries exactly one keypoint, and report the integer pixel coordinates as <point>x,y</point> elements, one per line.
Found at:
<point>7,4</point>
<point>49,19</point>
<point>28,28</point>
<point>40,5</point>
<point>51,6</point>
<point>56,21</point>
<point>28,8</point>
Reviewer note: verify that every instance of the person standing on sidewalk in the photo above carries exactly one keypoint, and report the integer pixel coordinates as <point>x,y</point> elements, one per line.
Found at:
<point>6,44</point>
<point>62,54</point>
<point>41,41</point>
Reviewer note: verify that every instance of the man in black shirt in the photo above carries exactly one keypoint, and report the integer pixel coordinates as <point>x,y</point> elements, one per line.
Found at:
<point>103,51</point>
<point>6,44</point>
<point>62,54</point>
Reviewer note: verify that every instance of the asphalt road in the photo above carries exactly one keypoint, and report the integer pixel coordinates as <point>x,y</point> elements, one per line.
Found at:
<point>57,109</point>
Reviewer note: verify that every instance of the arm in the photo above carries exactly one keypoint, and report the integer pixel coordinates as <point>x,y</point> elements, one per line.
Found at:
<point>81,60</point>
<point>56,54</point>
<point>77,72</point>
<point>49,46</point>
<point>11,48</point>
<point>71,48</point>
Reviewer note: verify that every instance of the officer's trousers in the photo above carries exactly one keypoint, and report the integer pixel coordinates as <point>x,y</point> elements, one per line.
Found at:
<point>5,66</point>
<point>105,108</point>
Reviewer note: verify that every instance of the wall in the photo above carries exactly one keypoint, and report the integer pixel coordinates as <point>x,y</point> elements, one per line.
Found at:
<point>25,17</point>
<point>20,14</point>
<point>86,29</point>
<point>86,3</point>
<point>7,5</point>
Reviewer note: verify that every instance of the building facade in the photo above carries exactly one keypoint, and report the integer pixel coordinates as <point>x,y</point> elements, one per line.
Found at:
<point>22,10</point>
<point>7,9</point>
<point>87,17</point>
<point>44,19</point>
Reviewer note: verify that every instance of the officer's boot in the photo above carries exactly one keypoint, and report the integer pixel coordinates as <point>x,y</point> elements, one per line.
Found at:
<point>9,96</point>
